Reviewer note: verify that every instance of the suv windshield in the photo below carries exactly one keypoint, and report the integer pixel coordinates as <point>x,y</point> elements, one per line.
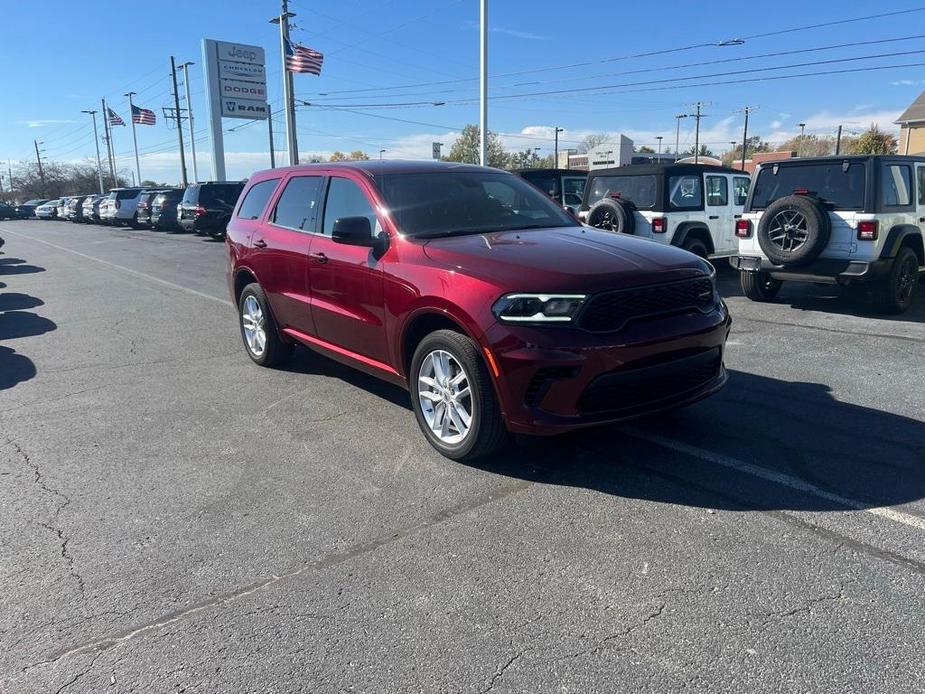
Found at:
<point>223,193</point>
<point>442,204</point>
<point>641,190</point>
<point>834,183</point>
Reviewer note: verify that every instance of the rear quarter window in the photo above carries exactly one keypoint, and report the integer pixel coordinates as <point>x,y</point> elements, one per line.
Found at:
<point>255,200</point>
<point>191,194</point>
<point>896,185</point>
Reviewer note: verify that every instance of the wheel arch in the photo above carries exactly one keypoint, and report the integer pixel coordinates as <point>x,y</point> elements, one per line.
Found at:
<point>420,324</point>
<point>243,276</point>
<point>697,230</point>
<point>904,235</point>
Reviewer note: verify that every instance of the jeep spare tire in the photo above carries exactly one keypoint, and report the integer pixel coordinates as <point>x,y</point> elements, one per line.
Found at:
<point>612,214</point>
<point>794,230</point>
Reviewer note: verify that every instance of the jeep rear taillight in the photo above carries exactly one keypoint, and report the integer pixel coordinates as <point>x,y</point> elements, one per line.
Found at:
<point>743,228</point>
<point>659,225</point>
<point>868,230</point>
<point>200,211</point>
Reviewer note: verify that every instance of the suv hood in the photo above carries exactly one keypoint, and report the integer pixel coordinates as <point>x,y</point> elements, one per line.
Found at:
<point>564,258</point>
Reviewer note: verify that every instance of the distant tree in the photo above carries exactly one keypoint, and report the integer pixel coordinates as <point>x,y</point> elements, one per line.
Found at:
<point>591,141</point>
<point>645,149</point>
<point>338,156</point>
<point>466,148</point>
<point>704,152</point>
<point>57,179</point>
<point>150,183</point>
<point>359,155</point>
<point>754,145</point>
<point>810,146</point>
<point>873,141</point>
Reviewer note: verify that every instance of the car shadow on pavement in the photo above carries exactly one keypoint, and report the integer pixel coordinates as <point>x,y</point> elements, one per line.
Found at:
<point>14,324</point>
<point>17,266</point>
<point>14,368</point>
<point>852,300</point>
<point>792,431</point>
<point>14,301</point>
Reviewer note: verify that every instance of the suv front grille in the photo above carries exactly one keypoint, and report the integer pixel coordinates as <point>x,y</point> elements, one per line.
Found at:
<point>646,387</point>
<point>610,311</point>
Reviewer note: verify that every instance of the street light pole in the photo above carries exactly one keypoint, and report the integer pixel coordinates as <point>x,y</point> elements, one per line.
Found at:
<point>96,141</point>
<point>748,109</point>
<point>558,130</point>
<point>189,114</point>
<point>677,135</point>
<point>38,158</point>
<point>176,103</point>
<point>292,144</point>
<point>131,109</point>
<point>659,138</point>
<point>483,82</point>
<point>800,146</point>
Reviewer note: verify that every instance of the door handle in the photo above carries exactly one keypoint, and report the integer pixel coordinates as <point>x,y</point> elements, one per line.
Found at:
<point>320,257</point>
<point>737,216</point>
<point>260,243</point>
<point>714,216</point>
<point>922,219</point>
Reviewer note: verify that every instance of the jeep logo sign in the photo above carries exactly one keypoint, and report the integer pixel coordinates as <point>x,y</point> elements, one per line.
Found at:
<point>240,53</point>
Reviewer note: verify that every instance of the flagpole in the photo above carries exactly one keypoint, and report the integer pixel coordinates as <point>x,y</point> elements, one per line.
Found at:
<point>288,97</point>
<point>483,83</point>
<point>108,131</point>
<point>131,112</point>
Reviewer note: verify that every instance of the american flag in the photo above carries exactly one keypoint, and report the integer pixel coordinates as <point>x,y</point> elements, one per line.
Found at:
<point>302,59</point>
<point>143,116</point>
<point>114,118</point>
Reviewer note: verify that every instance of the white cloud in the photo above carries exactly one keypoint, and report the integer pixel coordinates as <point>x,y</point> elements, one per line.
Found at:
<point>905,83</point>
<point>775,125</point>
<point>42,122</point>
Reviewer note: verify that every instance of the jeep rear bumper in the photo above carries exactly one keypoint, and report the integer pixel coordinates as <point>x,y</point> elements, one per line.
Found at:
<point>825,271</point>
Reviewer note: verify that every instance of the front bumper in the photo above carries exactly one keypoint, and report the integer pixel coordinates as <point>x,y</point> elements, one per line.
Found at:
<point>556,380</point>
<point>824,270</point>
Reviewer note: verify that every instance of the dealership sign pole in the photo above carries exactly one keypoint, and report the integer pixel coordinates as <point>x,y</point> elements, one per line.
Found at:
<point>236,87</point>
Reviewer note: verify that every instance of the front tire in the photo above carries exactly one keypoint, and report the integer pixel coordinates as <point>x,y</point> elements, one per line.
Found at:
<point>262,340</point>
<point>453,398</point>
<point>697,247</point>
<point>759,286</point>
<point>895,293</point>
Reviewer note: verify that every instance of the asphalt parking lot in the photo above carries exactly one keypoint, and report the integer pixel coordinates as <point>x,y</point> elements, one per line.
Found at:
<point>175,518</point>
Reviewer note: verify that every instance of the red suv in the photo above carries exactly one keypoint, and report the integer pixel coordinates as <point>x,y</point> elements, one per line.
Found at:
<point>466,285</point>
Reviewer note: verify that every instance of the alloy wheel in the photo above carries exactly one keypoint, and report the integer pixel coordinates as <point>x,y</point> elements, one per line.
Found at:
<point>788,230</point>
<point>907,279</point>
<point>254,324</point>
<point>445,397</point>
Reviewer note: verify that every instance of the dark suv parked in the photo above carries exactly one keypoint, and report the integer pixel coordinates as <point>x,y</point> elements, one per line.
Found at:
<point>565,186</point>
<point>477,292</point>
<point>164,209</point>
<point>145,201</point>
<point>206,207</point>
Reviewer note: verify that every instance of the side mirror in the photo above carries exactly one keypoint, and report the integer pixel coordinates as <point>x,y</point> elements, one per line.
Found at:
<point>353,231</point>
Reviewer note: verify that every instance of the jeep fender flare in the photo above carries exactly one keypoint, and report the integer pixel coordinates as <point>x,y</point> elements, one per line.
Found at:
<point>686,228</point>
<point>895,237</point>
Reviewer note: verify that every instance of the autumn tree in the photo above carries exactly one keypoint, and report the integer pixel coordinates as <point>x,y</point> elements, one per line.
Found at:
<point>591,141</point>
<point>337,155</point>
<point>359,155</point>
<point>873,141</point>
<point>466,148</point>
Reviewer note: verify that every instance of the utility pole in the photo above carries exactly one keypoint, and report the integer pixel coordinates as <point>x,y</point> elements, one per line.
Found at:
<point>108,137</point>
<point>9,168</point>
<point>96,141</point>
<point>189,115</point>
<point>698,115</point>
<point>659,138</point>
<point>838,142</point>
<point>748,109</point>
<point>131,109</point>
<point>272,147</point>
<point>558,130</point>
<point>288,97</point>
<point>435,146</point>
<point>483,82</point>
<point>677,135</point>
<point>38,158</point>
<point>800,146</point>
<point>176,103</point>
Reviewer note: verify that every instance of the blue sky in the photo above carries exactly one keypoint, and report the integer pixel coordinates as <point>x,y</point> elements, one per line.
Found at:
<point>409,51</point>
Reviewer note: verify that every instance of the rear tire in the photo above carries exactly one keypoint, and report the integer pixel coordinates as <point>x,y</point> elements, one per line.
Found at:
<point>259,331</point>
<point>697,247</point>
<point>485,431</point>
<point>895,293</point>
<point>759,286</point>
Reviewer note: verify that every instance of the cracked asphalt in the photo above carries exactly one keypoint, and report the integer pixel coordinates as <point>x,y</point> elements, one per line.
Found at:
<point>175,519</point>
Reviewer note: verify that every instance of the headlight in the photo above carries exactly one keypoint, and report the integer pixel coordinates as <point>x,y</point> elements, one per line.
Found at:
<point>538,308</point>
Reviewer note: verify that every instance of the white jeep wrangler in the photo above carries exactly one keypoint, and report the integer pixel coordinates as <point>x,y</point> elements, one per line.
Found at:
<point>835,220</point>
<point>692,206</point>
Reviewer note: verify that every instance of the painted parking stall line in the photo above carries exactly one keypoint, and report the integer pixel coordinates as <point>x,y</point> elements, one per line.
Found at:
<point>778,478</point>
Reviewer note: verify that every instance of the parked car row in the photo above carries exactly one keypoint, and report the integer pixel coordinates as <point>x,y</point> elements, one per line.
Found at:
<point>203,208</point>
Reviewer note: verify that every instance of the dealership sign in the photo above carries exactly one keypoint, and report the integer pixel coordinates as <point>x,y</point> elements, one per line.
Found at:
<point>236,86</point>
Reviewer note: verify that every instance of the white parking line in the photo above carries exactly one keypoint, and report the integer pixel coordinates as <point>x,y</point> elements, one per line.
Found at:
<point>129,270</point>
<point>778,478</point>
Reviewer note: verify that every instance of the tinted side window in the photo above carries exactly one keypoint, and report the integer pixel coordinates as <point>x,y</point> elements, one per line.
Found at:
<point>685,192</point>
<point>740,186</point>
<point>225,194</point>
<point>256,199</point>
<point>717,191</point>
<point>920,170</point>
<point>191,194</point>
<point>896,185</point>
<point>346,199</point>
<point>297,207</point>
